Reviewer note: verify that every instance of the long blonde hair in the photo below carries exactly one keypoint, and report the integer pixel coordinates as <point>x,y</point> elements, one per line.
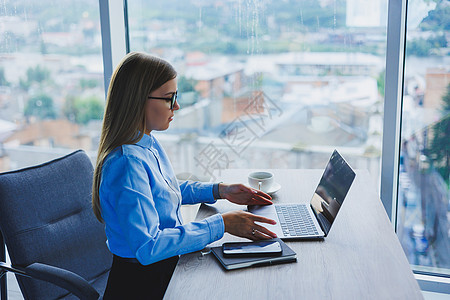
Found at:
<point>136,76</point>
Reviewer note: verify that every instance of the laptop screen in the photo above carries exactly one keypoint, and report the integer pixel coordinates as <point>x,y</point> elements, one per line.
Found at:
<point>331,191</point>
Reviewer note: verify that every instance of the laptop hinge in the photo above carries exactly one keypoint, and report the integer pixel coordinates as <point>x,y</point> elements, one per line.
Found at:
<point>318,220</point>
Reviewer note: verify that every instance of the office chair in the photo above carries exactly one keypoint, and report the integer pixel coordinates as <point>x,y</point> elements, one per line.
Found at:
<point>56,245</point>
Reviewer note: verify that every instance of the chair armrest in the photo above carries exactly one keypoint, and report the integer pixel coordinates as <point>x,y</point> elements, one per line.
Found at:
<point>60,277</point>
<point>4,267</point>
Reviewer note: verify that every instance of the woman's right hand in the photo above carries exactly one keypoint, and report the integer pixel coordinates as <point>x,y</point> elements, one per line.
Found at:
<point>242,224</point>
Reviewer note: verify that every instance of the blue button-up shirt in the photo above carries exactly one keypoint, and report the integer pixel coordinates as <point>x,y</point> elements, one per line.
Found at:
<point>140,200</point>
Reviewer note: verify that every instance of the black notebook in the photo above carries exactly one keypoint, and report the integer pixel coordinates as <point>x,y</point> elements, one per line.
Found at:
<point>287,255</point>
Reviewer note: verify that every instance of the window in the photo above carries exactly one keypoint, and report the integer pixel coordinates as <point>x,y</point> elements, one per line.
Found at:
<point>423,192</point>
<point>51,83</point>
<point>269,84</point>
<point>263,84</point>
<point>51,80</point>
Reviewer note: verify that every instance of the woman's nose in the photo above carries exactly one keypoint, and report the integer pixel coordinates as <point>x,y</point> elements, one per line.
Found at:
<point>176,106</point>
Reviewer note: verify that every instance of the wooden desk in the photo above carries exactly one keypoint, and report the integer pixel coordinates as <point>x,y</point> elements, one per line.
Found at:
<point>360,259</point>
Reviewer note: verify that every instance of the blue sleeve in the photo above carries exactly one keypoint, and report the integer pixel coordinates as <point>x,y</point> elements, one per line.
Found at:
<point>193,192</point>
<point>130,200</point>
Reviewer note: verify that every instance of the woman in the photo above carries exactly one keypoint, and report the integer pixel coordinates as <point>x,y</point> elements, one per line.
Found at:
<point>136,193</point>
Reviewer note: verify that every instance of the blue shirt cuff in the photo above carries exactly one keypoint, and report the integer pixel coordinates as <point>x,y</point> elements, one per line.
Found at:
<point>216,227</point>
<point>197,192</point>
<point>216,193</point>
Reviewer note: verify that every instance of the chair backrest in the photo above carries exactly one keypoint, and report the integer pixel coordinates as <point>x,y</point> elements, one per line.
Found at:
<point>46,217</point>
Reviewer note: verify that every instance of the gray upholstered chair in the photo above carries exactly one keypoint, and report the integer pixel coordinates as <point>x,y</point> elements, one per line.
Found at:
<point>56,245</point>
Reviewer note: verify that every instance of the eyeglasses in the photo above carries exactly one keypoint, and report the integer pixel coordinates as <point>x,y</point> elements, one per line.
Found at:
<point>171,99</point>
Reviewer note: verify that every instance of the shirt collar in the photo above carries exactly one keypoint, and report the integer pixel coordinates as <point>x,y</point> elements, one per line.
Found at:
<point>146,141</point>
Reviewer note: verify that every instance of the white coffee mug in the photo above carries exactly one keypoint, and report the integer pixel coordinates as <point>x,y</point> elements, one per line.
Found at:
<point>260,180</point>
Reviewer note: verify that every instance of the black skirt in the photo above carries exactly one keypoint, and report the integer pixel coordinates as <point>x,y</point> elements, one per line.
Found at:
<point>128,279</point>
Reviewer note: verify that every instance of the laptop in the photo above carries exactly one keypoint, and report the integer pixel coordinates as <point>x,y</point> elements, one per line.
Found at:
<point>313,221</point>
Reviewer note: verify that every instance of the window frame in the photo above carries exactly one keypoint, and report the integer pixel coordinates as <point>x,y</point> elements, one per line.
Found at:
<point>393,102</point>
<point>395,61</point>
<point>114,35</point>
<point>115,44</point>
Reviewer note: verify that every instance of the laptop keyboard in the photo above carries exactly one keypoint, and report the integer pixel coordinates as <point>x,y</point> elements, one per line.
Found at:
<point>295,220</point>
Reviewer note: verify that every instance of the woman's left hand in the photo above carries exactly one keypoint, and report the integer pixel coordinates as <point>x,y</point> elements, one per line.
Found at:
<point>244,195</point>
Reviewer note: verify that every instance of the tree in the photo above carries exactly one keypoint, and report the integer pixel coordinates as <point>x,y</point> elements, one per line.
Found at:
<point>185,85</point>
<point>438,41</point>
<point>437,19</point>
<point>422,47</point>
<point>43,47</point>
<point>419,47</point>
<point>69,109</point>
<point>3,80</point>
<point>381,82</point>
<point>439,147</point>
<point>40,106</point>
<point>82,110</point>
<point>88,83</point>
<point>446,101</point>
<point>24,84</point>
<point>37,74</point>
<point>187,94</point>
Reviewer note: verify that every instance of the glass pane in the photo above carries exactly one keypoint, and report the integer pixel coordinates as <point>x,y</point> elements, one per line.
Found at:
<point>51,80</point>
<point>423,194</point>
<point>269,84</point>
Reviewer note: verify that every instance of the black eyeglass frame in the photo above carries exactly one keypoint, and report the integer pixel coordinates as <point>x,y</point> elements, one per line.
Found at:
<point>171,99</point>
